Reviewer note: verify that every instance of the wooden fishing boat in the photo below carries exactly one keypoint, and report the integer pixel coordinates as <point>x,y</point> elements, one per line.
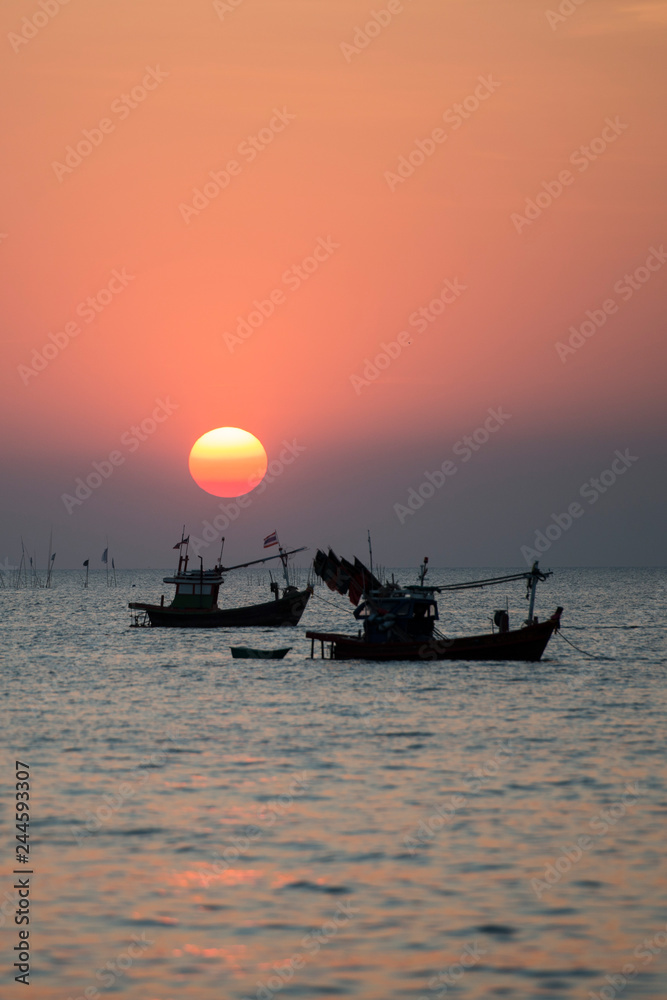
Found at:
<point>195,603</point>
<point>399,622</point>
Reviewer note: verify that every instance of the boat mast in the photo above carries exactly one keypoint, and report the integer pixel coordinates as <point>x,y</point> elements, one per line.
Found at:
<point>532,587</point>
<point>183,559</point>
<point>283,559</point>
<point>180,551</point>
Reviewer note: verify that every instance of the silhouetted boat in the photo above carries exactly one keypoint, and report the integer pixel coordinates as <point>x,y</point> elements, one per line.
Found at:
<point>399,622</point>
<point>195,604</point>
<point>246,653</point>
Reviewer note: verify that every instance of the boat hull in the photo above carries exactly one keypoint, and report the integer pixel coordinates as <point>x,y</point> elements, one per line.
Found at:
<point>526,643</point>
<point>246,653</point>
<point>272,614</point>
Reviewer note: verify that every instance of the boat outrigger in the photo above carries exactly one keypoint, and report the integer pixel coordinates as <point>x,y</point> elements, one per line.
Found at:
<point>399,623</point>
<point>195,604</point>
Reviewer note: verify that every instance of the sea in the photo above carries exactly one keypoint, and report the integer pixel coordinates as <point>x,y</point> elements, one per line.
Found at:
<point>219,829</point>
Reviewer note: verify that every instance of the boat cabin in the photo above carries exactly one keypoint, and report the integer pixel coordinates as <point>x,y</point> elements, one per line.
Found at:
<point>410,612</point>
<point>195,588</point>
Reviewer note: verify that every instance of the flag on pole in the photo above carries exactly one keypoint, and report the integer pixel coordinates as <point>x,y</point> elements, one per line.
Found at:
<point>104,555</point>
<point>183,541</point>
<point>53,557</point>
<point>86,562</point>
<point>271,539</point>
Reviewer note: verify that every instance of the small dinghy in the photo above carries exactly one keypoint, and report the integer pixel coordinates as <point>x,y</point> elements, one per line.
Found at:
<point>246,653</point>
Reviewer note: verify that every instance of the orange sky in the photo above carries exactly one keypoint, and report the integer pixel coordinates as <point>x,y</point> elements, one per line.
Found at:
<point>320,187</point>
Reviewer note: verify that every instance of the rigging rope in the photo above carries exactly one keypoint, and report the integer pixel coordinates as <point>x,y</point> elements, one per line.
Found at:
<point>593,656</point>
<point>491,580</point>
<point>327,602</point>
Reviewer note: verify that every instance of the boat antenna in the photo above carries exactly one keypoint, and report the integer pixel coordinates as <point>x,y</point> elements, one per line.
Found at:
<point>221,548</point>
<point>370,548</point>
<point>423,571</point>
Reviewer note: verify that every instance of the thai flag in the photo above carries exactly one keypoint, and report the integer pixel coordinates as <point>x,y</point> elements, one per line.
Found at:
<point>271,539</point>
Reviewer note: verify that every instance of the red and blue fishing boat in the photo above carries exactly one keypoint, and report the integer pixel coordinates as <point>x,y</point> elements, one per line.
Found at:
<point>399,622</point>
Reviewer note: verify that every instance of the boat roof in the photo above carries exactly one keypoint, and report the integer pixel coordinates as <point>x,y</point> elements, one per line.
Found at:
<point>395,592</point>
<point>195,576</point>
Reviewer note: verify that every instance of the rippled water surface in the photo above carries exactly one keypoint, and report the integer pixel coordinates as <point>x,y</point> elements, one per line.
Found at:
<point>218,828</point>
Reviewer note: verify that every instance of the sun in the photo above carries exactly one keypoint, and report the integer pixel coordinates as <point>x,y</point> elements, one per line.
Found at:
<point>228,462</point>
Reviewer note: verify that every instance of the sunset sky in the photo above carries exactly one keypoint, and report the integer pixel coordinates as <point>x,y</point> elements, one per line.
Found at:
<point>500,159</point>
